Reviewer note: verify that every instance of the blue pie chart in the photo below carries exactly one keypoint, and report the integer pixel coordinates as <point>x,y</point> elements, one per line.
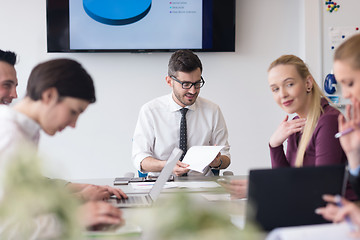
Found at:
<point>117,12</point>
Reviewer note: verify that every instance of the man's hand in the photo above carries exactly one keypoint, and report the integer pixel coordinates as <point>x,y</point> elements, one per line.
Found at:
<point>216,162</point>
<point>93,192</point>
<point>237,188</point>
<point>96,213</point>
<point>181,168</point>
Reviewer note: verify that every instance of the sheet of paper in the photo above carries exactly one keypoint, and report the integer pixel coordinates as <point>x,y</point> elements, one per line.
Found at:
<point>216,197</point>
<point>149,185</point>
<point>198,157</point>
<point>327,231</point>
<point>238,221</point>
<point>199,184</point>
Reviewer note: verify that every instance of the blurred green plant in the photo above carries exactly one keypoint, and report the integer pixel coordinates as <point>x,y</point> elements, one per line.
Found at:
<point>29,200</point>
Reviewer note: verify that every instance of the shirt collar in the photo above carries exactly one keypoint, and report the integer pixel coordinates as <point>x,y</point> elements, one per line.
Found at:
<point>173,106</point>
<point>28,126</point>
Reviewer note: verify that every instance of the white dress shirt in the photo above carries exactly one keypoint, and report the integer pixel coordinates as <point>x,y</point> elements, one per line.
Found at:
<point>15,131</point>
<point>18,131</point>
<point>158,128</point>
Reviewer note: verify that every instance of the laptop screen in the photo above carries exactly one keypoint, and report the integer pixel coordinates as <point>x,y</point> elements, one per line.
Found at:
<point>165,173</point>
<point>289,196</point>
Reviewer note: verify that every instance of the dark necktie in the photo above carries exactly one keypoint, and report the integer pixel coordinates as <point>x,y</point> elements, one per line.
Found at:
<point>183,132</point>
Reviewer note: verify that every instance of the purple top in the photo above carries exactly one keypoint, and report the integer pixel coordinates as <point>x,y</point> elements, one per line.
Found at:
<point>323,148</point>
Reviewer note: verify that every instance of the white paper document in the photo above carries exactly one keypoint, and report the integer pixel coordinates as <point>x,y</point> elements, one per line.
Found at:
<point>199,157</point>
<point>149,185</point>
<point>327,231</point>
<point>217,197</point>
<point>198,184</point>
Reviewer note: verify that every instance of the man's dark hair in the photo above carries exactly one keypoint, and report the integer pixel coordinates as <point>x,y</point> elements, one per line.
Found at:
<point>183,61</point>
<point>7,56</point>
<point>66,75</point>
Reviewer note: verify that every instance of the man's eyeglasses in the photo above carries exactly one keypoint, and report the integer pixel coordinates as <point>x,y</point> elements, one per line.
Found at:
<point>188,85</point>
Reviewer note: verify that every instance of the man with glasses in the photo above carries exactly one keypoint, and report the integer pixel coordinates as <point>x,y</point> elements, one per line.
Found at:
<point>165,121</point>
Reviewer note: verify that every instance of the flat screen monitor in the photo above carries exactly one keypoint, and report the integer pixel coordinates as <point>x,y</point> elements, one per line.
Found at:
<point>140,25</point>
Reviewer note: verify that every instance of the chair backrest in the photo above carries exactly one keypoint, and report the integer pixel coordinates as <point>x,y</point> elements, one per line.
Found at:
<point>142,174</point>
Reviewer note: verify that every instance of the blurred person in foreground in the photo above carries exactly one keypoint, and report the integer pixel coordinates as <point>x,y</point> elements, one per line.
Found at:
<point>58,91</point>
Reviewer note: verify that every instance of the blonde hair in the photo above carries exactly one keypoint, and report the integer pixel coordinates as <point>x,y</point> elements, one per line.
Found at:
<point>349,51</point>
<point>315,102</point>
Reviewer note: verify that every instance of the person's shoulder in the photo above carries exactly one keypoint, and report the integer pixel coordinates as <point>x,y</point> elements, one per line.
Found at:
<point>329,118</point>
<point>8,119</point>
<point>4,108</point>
<point>6,113</point>
<point>205,103</point>
<point>330,114</point>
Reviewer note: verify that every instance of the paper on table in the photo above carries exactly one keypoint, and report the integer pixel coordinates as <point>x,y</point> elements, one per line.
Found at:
<point>198,157</point>
<point>214,197</point>
<point>149,185</point>
<point>327,231</point>
<point>217,197</point>
<point>199,184</point>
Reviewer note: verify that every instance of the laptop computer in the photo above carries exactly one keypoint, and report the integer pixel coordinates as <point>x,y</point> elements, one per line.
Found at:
<point>289,196</point>
<point>143,200</point>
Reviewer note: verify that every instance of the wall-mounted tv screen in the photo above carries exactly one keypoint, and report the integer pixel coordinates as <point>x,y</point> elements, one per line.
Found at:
<point>140,25</point>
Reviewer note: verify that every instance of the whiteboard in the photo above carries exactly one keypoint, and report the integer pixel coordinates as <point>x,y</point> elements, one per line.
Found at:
<point>337,26</point>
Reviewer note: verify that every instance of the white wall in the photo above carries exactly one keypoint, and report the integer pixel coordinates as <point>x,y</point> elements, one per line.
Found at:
<point>100,146</point>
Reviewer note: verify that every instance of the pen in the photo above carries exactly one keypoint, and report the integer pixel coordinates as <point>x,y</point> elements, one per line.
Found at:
<point>347,218</point>
<point>342,133</point>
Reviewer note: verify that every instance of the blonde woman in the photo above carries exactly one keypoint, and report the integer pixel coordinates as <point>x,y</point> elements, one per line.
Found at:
<point>310,134</point>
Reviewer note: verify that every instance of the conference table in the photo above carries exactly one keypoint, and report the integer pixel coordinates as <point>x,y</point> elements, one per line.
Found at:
<point>185,197</point>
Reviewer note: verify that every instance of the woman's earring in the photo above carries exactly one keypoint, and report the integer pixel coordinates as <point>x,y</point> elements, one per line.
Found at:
<point>308,90</point>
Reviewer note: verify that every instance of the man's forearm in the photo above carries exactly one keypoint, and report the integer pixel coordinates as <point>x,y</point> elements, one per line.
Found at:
<point>150,164</point>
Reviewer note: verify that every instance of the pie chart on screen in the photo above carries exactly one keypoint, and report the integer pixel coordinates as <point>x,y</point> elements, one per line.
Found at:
<point>117,12</point>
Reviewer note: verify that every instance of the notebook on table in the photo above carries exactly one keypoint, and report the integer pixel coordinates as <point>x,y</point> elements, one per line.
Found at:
<point>143,200</point>
<point>289,196</point>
